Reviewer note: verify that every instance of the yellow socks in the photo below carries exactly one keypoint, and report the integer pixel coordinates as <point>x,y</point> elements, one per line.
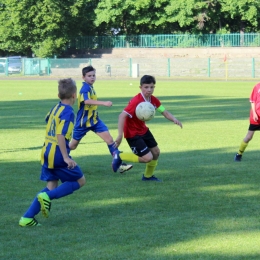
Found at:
<point>242,147</point>
<point>150,167</point>
<point>129,157</point>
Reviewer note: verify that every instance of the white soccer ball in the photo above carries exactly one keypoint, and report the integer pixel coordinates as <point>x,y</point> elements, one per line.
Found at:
<point>145,111</point>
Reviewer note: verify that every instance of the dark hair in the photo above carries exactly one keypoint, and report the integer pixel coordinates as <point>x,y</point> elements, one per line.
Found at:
<point>67,87</point>
<point>147,79</point>
<point>87,69</point>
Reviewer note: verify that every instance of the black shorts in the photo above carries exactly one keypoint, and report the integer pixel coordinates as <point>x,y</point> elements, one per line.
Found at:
<point>254,127</point>
<point>140,144</point>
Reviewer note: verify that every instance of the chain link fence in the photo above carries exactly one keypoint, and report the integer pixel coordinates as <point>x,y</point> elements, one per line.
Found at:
<point>203,68</point>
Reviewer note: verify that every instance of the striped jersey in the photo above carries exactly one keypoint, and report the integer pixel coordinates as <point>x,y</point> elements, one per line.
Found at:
<point>87,115</point>
<point>60,120</point>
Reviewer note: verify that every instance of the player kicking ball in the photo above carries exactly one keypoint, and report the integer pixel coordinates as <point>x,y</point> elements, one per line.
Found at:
<point>137,134</point>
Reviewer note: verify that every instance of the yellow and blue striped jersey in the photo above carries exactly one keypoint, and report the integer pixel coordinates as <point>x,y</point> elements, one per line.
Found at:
<point>60,120</point>
<point>87,115</point>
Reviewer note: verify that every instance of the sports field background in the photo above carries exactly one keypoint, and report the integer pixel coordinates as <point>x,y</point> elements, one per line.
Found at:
<point>207,206</point>
<point>174,68</point>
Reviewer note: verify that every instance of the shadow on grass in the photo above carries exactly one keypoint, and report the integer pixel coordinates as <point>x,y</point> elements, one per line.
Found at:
<point>14,150</point>
<point>206,201</point>
<point>31,113</point>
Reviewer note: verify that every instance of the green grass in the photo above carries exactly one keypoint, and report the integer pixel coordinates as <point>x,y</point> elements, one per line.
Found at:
<point>207,206</point>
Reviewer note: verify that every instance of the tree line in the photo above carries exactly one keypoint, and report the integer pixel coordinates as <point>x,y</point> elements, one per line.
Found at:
<point>44,28</point>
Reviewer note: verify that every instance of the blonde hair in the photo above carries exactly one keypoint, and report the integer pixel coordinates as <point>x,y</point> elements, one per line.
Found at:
<point>66,87</point>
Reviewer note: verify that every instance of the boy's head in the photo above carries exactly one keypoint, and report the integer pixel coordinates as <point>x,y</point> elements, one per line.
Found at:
<point>67,89</point>
<point>87,69</point>
<point>89,74</point>
<point>147,85</point>
<point>147,79</point>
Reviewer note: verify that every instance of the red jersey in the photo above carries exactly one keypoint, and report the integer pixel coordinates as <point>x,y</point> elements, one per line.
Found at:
<point>134,126</point>
<point>255,98</point>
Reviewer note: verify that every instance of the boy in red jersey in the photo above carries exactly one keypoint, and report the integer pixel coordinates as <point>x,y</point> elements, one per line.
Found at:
<point>254,120</point>
<point>137,134</point>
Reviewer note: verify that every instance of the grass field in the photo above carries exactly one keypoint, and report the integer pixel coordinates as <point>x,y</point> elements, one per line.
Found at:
<point>207,206</point>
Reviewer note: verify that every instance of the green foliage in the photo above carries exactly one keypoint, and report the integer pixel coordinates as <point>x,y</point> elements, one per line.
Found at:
<point>223,30</point>
<point>46,27</point>
<point>42,27</point>
<point>181,12</point>
<point>164,16</point>
<point>245,12</point>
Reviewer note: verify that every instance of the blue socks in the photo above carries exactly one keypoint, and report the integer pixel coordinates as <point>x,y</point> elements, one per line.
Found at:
<point>64,189</point>
<point>111,148</point>
<point>35,207</point>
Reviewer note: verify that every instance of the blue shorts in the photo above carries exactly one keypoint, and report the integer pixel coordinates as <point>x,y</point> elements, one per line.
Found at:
<point>62,174</point>
<point>80,132</point>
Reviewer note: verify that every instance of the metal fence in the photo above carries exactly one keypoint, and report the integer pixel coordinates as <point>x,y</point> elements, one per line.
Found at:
<point>203,68</point>
<point>166,41</point>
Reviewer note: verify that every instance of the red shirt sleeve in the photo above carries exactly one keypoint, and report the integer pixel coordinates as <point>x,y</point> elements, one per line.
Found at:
<point>253,96</point>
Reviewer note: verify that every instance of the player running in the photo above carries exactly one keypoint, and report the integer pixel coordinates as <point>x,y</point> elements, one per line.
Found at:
<point>137,134</point>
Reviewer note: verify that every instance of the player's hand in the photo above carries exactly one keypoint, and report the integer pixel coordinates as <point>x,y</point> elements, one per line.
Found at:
<point>71,163</point>
<point>177,122</point>
<point>118,141</point>
<point>108,103</point>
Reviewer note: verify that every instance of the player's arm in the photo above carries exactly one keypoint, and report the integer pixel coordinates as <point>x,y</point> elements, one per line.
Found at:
<point>168,115</point>
<point>66,158</point>
<point>98,103</point>
<point>255,116</point>
<point>121,122</point>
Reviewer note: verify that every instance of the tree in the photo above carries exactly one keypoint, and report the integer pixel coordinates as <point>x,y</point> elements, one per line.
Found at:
<point>46,27</point>
<point>243,14</point>
<point>135,16</point>
<point>168,16</point>
<point>42,27</point>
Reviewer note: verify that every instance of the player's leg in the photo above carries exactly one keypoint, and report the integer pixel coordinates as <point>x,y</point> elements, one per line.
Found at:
<point>151,165</point>
<point>108,139</point>
<point>28,219</point>
<point>118,157</point>
<point>78,134</point>
<point>140,151</point>
<point>145,150</point>
<point>123,167</point>
<point>248,137</point>
<point>150,158</point>
<point>102,131</point>
<point>245,141</point>
<point>66,188</point>
<point>72,180</point>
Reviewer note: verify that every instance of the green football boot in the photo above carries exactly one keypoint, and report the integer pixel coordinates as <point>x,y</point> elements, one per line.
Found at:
<point>45,202</point>
<point>28,222</point>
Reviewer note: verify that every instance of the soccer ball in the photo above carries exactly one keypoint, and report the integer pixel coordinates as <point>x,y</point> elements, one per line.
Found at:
<point>145,111</point>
